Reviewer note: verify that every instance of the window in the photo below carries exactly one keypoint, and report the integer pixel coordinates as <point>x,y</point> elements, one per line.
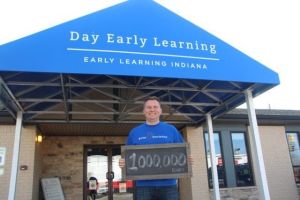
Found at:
<point>294,148</point>
<point>232,158</point>
<point>219,161</point>
<point>241,164</point>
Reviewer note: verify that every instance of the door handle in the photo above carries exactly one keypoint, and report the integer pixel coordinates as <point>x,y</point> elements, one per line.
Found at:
<point>110,175</point>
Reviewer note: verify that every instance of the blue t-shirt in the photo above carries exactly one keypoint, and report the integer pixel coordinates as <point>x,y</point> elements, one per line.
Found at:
<point>160,133</point>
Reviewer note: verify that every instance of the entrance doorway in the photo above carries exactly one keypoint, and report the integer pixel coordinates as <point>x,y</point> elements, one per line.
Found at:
<point>102,174</point>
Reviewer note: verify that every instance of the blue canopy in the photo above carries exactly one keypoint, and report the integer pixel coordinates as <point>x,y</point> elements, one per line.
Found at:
<point>135,40</point>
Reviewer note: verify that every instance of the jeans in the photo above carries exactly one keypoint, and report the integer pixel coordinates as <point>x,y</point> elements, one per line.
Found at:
<point>157,193</point>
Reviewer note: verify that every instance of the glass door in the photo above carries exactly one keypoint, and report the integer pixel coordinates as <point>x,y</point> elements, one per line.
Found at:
<point>103,175</point>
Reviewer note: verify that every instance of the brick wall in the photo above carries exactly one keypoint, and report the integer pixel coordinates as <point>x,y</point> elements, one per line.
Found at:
<point>243,193</point>
<point>277,163</point>
<point>197,186</point>
<point>24,190</point>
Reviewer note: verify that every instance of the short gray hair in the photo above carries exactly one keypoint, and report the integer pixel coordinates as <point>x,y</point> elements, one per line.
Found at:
<point>152,98</point>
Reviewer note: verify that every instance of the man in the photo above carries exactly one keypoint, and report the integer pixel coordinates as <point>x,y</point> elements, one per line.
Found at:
<point>154,132</point>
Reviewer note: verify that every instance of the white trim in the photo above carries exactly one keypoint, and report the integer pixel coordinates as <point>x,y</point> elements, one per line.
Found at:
<point>15,158</point>
<point>142,53</point>
<point>216,189</point>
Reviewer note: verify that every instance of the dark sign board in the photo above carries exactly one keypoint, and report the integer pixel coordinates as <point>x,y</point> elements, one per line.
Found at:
<point>158,161</point>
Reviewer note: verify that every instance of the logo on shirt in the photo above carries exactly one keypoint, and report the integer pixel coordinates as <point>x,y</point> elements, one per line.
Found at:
<point>142,138</point>
<point>154,137</point>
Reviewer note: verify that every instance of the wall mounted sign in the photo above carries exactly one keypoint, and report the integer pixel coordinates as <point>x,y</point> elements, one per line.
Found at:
<point>2,159</point>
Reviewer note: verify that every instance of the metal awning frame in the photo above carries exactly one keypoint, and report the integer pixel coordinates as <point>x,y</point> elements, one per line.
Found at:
<point>66,93</point>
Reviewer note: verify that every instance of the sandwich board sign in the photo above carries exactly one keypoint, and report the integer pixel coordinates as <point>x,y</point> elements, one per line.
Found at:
<point>52,189</point>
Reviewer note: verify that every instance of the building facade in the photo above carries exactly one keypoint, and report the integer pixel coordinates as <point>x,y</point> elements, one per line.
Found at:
<point>69,157</point>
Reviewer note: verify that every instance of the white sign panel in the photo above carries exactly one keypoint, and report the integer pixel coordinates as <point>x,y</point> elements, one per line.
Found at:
<point>122,187</point>
<point>92,185</point>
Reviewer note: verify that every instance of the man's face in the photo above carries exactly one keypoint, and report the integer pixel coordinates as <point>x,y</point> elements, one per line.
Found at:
<point>152,110</point>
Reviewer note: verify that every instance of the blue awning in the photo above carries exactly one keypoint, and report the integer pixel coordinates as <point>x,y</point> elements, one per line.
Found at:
<point>134,40</point>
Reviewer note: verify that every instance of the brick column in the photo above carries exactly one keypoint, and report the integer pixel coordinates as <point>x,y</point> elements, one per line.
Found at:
<point>277,163</point>
<point>197,186</point>
<point>24,190</point>
<point>25,180</point>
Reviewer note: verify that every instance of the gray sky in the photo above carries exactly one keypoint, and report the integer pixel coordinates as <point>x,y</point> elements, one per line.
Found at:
<point>266,30</point>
